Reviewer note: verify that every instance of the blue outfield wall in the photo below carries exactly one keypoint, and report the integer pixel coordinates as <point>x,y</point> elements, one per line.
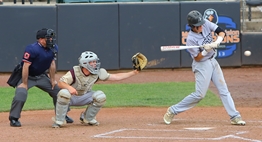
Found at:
<point>144,28</point>
<point>116,31</point>
<point>251,42</point>
<point>18,27</point>
<point>92,27</point>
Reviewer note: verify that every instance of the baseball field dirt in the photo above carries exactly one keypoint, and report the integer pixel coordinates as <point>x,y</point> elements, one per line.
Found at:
<point>145,124</point>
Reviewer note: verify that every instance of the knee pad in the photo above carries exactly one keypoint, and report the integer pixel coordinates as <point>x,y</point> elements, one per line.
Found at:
<point>99,98</point>
<point>63,97</point>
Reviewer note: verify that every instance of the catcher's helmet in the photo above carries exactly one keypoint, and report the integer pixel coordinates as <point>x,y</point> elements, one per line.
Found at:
<point>87,57</point>
<point>194,18</point>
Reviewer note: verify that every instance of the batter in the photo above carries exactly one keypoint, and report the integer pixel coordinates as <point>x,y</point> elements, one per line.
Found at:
<point>205,68</point>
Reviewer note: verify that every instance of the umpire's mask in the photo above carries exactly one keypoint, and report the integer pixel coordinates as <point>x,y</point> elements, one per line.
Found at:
<point>50,38</point>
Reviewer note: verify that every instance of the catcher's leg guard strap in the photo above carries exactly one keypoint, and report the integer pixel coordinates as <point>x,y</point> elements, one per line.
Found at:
<point>63,99</point>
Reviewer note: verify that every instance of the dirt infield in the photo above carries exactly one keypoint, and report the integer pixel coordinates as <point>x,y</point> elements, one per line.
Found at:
<point>146,124</point>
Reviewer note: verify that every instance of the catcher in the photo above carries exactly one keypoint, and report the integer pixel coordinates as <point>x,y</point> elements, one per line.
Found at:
<point>76,87</point>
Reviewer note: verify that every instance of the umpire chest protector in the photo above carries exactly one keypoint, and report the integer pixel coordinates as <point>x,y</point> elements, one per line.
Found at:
<point>82,82</point>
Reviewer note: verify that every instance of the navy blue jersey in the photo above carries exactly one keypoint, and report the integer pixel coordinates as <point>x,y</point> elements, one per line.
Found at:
<point>39,57</point>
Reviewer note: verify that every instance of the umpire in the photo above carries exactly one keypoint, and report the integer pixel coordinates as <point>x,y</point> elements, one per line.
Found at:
<point>37,59</point>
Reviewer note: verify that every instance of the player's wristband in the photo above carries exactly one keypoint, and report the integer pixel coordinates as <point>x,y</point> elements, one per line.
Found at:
<point>219,39</point>
<point>204,53</point>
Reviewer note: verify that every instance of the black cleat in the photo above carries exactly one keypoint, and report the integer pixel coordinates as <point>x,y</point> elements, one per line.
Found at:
<point>68,119</point>
<point>15,123</point>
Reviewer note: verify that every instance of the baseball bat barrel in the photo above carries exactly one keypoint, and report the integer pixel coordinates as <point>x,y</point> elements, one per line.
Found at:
<point>176,47</point>
<point>181,47</point>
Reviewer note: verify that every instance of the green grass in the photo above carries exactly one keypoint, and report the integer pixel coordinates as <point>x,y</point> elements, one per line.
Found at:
<point>119,95</point>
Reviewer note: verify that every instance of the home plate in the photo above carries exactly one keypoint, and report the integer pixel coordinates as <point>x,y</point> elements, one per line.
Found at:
<point>200,128</point>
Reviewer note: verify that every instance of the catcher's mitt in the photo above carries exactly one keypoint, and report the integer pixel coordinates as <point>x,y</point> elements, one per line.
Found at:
<point>139,61</point>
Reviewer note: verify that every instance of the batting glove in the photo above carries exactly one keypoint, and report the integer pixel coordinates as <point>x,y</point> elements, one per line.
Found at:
<point>207,47</point>
<point>217,42</point>
<point>214,45</point>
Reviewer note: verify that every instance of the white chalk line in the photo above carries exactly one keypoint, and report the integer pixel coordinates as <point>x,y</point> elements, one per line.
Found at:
<point>249,121</point>
<point>177,119</point>
<point>199,128</point>
<point>106,135</point>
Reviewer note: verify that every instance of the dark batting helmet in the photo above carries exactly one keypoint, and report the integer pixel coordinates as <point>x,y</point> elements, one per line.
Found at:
<point>194,18</point>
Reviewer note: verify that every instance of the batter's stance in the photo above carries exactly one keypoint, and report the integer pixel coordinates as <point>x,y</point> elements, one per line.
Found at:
<point>76,89</point>
<point>205,68</point>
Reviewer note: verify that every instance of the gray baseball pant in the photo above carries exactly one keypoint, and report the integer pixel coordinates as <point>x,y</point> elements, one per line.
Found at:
<point>42,82</point>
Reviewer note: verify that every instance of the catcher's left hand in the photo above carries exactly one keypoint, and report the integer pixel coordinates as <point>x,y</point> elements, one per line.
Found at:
<point>139,61</point>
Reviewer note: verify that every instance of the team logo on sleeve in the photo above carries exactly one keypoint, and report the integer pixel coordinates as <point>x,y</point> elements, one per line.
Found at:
<point>26,55</point>
<point>232,37</point>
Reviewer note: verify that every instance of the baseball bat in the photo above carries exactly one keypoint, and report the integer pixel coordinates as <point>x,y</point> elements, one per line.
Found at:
<point>181,47</point>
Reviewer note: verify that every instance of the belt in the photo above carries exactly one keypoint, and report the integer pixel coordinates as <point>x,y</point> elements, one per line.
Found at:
<point>36,76</point>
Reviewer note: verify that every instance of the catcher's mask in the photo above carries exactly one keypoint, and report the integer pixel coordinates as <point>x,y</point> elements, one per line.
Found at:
<point>87,57</point>
<point>194,18</point>
<point>49,35</point>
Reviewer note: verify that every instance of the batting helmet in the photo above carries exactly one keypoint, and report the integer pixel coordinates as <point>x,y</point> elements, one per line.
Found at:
<point>87,57</point>
<point>194,18</point>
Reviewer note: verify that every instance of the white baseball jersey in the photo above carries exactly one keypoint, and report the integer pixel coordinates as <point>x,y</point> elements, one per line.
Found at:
<point>208,69</point>
<point>205,37</point>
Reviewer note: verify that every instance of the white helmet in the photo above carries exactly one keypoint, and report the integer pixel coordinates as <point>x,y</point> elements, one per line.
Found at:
<point>87,57</point>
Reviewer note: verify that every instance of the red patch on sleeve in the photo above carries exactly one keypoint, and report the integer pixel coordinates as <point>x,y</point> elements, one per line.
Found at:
<point>26,55</point>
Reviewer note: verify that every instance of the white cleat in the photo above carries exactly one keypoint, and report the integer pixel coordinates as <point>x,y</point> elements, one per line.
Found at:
<point>238,121</point>
<point>168,117</point>
<point>58,124</point>
<point>93,122</point>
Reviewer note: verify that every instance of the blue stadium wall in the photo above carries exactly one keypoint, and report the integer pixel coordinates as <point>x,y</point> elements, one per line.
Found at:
<point>116,31</point>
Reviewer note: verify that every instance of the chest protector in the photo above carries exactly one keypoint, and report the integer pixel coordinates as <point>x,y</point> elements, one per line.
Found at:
<point>83,83</point>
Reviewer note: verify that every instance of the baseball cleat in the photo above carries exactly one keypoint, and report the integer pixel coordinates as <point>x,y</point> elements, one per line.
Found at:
<point>69,119</point>
<point>56,125</point>
<point>60,123</point>
<point>15,123</point>
<point>238,121</point>
<point>168,117</point>
<point>84,121</point>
